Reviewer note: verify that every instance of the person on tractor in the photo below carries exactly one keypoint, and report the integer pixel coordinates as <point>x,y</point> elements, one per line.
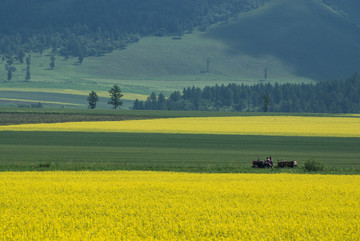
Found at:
<point>269,162</point>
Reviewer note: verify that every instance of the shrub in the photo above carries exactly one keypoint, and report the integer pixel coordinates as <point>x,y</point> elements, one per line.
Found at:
<point>313,165</point>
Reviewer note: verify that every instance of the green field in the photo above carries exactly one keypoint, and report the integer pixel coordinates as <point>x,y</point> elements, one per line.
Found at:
<point>171,152</point>
<point>10,116</point>
<point>51,100</point>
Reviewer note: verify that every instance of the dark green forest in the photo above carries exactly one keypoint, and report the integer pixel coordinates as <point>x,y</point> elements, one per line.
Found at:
<point>339,96</point>
<point>83,28</point>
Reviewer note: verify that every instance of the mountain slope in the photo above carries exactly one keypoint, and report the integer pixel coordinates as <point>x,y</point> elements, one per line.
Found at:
<point>294,41</point>
<point>316,41</point>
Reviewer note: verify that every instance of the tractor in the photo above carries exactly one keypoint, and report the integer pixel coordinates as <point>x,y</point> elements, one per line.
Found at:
<point>268,163</point>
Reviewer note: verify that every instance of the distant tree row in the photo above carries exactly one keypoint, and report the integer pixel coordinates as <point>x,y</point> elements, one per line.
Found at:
<point>339,96</point>
<point>83,28</point>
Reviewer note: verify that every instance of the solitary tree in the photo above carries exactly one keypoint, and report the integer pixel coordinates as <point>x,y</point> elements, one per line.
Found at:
<point>41,48</point>
<point>28,60</point>
<point>93,99</point>
<point>28,76</point>
<point>10,69</point>
<point>80,59</point>
<point>20,55</point>
<point>52,62</point>
<point>115,97</point>
<point>9,76</point>
<point>207,65</point>
<point>265,73</point>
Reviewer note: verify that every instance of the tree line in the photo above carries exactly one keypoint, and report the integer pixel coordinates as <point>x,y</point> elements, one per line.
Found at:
<point>338,96</point>
<point>83,28</point>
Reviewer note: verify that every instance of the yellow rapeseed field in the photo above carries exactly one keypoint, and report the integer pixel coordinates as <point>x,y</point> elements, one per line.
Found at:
<point>246,125</point>
<point>123,205</point>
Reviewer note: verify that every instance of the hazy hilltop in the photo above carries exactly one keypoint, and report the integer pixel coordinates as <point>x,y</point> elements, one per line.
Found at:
<point>167,45</point>
<point>317,41</point>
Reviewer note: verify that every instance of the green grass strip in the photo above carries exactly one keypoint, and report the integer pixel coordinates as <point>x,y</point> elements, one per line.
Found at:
<point>22,151</point>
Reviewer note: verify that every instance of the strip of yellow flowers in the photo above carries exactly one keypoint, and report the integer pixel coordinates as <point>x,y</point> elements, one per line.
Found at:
<point>178,206</point>
<point>246,125</point>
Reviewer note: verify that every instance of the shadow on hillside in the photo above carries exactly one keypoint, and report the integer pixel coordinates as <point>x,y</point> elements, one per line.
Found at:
<point>306,36</point>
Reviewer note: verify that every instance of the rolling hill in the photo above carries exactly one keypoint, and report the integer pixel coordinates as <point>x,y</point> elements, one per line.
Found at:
<point>301,41</point>
<point>308,36</point>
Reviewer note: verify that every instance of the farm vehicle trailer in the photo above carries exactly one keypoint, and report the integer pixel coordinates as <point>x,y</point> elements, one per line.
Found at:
<point>270,164</point>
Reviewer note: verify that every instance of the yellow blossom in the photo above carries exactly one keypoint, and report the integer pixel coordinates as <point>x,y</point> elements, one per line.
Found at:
<point>245,125</point>
<point>123,205</point>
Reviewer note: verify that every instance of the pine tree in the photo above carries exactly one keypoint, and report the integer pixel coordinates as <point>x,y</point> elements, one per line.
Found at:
<point>80,58</point>
<point>115,97</point>
<point>28,75</point>
<point>161,101</point>
<point>20,55</point>
<point>92,99</point>
<point>138,105</point>
<point>9,77</point>
<point>52,61</point>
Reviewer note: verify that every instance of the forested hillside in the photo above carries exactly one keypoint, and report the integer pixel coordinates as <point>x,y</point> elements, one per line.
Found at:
<point>340,96</point>
<point>91,27</point>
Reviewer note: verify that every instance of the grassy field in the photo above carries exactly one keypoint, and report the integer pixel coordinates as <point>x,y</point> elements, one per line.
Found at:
<point>57,99</point>
<point>171,152</point>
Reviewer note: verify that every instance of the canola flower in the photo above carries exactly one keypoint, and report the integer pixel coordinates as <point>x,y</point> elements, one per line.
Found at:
<point>124,205</point>
<point>245,125</point>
